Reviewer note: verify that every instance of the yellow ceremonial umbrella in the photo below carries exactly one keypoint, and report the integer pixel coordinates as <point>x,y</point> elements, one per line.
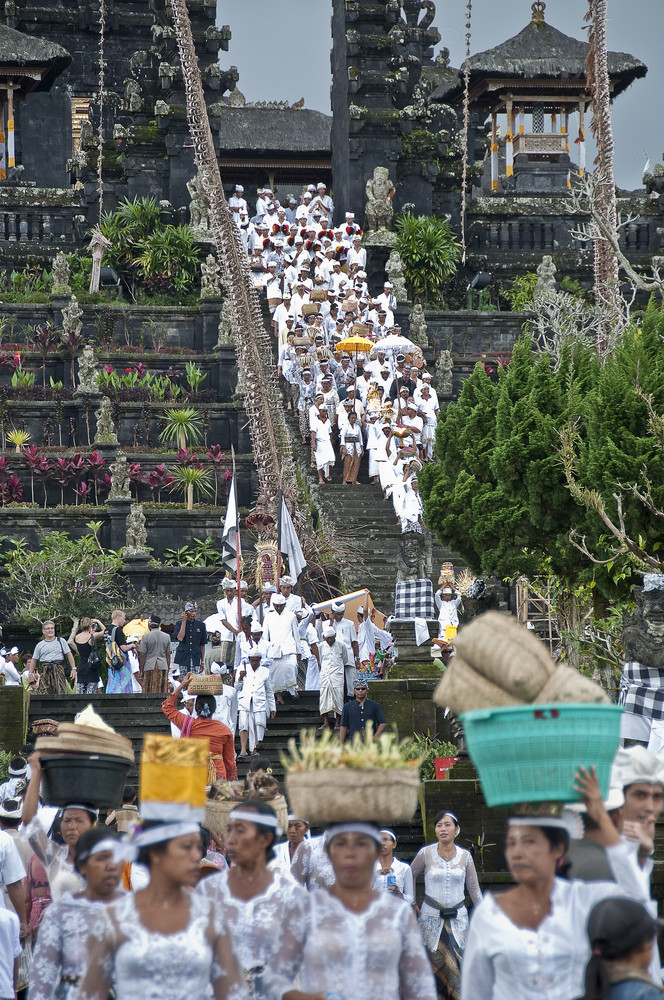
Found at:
<point>137,626</point>
<point>355,344</point>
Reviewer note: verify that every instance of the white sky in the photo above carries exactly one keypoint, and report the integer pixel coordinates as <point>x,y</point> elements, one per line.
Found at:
<point>282,50</point>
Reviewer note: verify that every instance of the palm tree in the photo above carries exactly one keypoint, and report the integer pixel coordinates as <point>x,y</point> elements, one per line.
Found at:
<point>189,478</point>
<point>183,427</point>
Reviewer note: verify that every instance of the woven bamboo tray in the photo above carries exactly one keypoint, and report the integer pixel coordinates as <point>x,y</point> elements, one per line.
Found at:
<point>81,745</point>
<point>91,732</point>
<point>343,794</point>
<point>217,812</point>
<point>206,684</point>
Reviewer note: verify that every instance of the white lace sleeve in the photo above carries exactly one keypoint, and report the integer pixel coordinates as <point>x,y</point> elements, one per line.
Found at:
<point>287,958</point>
<point>300,865</point>
<point>102,944</point>
<point>419,863</point>
<point>47,956</point>
<point>45,848</point>
<point>472,882</point>
<point>415,975</point>
<point>227,979</point>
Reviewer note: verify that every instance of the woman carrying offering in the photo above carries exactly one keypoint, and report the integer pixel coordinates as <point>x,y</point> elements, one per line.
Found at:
<point>448,871</point>
<point>361,944</point>
<point>530,942</point>
<point>57,859</point>
<point>60,955</point>
<point>266,910</point>
<point>163,942</point>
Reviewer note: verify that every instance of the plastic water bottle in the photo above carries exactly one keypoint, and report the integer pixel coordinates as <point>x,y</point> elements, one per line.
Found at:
<point>391,881</point>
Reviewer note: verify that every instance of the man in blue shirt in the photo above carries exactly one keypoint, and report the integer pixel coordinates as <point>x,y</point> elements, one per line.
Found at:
<point>357,713</point>
<point>192,638</point>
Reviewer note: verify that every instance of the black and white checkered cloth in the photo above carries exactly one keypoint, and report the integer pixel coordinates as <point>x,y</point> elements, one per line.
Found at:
<point>414,599</point>
<point>642,690</point>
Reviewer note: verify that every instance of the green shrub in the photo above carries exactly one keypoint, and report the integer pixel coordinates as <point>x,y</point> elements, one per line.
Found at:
<point>430,253</point>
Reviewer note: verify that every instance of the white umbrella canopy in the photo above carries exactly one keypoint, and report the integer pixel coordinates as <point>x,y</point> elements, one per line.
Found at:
<point>395,345</point>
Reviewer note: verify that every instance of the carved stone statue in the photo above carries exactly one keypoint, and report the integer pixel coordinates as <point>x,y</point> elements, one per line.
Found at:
<point>210,278</point>
<point>198,207</point>
<point>225,338</point>
<point>444,373</point>
<point>61,275</point>
<point>546,281</point>
<point>396,272</point>
<point>72,318</point>
<point>87,372</point>
<point>137,533</point>
<point>133,95</point>
<point>418,326</point>
<point>642,681</point>
<point>380,191</point>
<point>411,557</point>
<point>105,433</point>
<point>120,482</point>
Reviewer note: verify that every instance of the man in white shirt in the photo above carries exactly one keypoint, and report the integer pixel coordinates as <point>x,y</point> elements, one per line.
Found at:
<point>282,633</point>
<point>387,299</point>
<point>357,253</point>
<point>9,667</point>
<point>302,211</point>
<point>236,202</point>
<point>255,702</point>
<point>17,771</point>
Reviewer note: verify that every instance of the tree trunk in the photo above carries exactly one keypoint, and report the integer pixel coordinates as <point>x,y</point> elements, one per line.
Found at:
<point>190,497</point>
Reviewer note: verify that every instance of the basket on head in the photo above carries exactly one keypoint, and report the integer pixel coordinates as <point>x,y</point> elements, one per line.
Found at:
<point>310,307</point>
<point>338,795</point>
<point>206,684</point>
<point>530,753</point>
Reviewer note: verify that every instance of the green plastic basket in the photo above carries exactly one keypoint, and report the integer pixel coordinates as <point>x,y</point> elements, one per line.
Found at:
<point>530,753</point>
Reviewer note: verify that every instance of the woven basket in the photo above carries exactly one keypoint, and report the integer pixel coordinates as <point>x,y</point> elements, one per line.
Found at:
<point>217,812</point>
<point>342,794</point>
<point>310,308</point>
<point>206,684</point>
<point>318,295</point>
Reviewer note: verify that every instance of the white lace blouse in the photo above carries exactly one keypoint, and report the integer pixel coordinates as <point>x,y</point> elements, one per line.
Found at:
<point>446,882</point>
<point>311,865</point>
<point>60,954</point>
<point>548,963</point>
<point>268,930</point>
<point>60,872</point>
<point>365,956</point>
<point>148,965</point>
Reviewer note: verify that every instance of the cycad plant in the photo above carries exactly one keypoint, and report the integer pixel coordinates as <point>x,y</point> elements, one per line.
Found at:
<point>430,253</point>
<point>18,437</point>
<point>183,427</point>
<point>190,478</point>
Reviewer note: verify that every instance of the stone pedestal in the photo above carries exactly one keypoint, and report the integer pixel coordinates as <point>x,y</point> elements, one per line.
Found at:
<point>137,572</point>
<point>210,314</point>
<point>117,513</point>
<point>413,660</point>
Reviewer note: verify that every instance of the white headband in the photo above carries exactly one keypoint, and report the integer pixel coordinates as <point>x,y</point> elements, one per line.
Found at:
<point>107,844</point>
<point>569,822</point>
<point>253,816</point>
<point>365,828</point>
<point>128,850</point>
<point>390,834</point>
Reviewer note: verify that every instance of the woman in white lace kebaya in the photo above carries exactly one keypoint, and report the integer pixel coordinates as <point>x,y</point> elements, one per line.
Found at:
<point>57,859</point>
<point>530,942</point>
<point>60,954</point>
<point>266,910</point>
<point>448,871</point>
<point>163,942</point>
<point>360,944</point>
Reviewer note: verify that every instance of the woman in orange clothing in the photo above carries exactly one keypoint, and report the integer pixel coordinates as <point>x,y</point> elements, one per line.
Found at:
<point>222,748</point>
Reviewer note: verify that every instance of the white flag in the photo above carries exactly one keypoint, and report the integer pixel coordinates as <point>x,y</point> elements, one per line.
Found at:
<point>230,539</point>
<point>289,544</point>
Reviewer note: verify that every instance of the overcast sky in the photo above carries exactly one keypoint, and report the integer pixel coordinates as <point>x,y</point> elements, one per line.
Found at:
<point>282,50</point>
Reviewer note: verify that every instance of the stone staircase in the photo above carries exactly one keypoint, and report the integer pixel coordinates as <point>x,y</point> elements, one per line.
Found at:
<point>363,524</point>
<point>135,715</point>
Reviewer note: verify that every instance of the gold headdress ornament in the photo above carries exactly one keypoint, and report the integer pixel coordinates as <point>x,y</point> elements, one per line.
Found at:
<point>173,777</point>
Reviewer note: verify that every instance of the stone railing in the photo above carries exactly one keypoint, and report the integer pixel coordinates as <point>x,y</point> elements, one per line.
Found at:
<point>540,143</point>
<point>43,220</point>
